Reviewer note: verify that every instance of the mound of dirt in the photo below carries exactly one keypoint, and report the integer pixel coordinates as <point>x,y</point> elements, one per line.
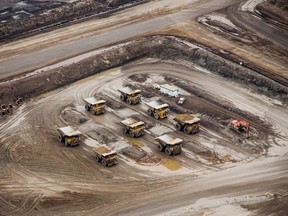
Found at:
<point>73,117</point>
<point>101,134</point>
<point>274,9</point>
<point>138,78</point>
<point>149,160</point>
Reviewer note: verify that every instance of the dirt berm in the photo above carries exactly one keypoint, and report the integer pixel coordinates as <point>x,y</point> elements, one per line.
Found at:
<point>53,18</point>
<point>168,47</point>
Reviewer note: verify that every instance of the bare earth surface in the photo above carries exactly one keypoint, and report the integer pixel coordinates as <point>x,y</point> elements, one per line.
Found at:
<point>219,171</point>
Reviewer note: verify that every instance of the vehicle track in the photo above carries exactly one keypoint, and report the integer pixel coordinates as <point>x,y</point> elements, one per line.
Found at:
<point>56,169</point>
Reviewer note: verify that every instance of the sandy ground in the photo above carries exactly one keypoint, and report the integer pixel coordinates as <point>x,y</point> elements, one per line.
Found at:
<point>47,172</point>
<point>219,172</point>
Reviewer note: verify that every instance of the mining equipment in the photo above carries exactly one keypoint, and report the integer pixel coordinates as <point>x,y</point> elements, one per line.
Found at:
<point>169,144</point>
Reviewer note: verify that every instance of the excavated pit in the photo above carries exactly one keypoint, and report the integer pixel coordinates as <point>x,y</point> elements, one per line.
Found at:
<point>45,163</point>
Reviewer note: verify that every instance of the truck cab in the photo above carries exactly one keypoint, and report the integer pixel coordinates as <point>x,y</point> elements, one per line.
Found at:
<point>133,127</point>
<point>187,123</point>
<point>105,155</point>
<point>69,136</point>
<point>158,110</point>
<point>130,96</point>
<point>169,144</point>
<point>95,106</point>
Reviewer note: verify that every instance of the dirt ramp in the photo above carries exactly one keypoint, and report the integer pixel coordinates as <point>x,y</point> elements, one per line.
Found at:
<point>169,48</point>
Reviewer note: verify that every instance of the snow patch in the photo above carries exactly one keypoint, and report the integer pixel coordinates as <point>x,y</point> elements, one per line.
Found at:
<point>250,5</point>
<point>214,17</point>
<point>91,142</point>
<point>159,130</point>
<point>22,3</point>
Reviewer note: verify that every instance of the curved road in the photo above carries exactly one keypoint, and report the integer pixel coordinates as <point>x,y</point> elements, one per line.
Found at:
<point>256,24</point>
<point>241,180</point>
<point>32,160</point>
<point>29,61</point>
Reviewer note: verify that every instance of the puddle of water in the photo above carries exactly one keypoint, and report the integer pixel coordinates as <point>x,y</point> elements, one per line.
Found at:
<point>170,164</point>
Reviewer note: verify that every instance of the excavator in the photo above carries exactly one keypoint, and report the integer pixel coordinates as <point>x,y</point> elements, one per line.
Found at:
<point>240,126</point>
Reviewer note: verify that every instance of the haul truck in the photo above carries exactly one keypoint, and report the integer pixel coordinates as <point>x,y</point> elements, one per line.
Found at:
<point>69,136</point>
<point>158,110</point>
<point>169,144</point>
<point>130,95</point>
<point>95,106</point>
<point>133,127</point>
<point>105,155</point>
<point>187,123</point>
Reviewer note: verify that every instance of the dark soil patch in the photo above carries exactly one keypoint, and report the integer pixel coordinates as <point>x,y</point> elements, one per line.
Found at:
<point>138,77</point>
<point>275,10</point>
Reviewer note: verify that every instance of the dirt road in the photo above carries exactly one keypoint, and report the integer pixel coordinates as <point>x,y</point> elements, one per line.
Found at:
<point>235,182</point>
<point>39,51</point>
<point>219,171</point>
<point>43,176</point>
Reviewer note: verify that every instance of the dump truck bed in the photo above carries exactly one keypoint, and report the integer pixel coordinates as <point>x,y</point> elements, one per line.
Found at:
<point>69,131</point>
<point>93,101</point>
<point>156,105</point>
<point>169,139</point>
<point>128,90</point>
<point>129,121</point>
<point>187,118</point>
<point>104,150</point>
<point>132,122</point>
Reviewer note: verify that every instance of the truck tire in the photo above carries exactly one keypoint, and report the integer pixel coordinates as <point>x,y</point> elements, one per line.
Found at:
<point>125,130</point>
<point>60,138</point>
<point>3,106</point>
<point>18,102</point>
<point>9,111</point>
<point>160,147</point>
<point>132,134</point>
<point>66,143</point>
<point>168,151</point>
<point>129,101</point>
<point>150,112</point>
<point>122,97</point>
<point>178,127</point>
<point>93,111</point>
<point>104,163</point>
<point>195,129</point>
<point>156,116</point>
<point>97,158</point>
<point>186,130</point>
<point>87,108</point>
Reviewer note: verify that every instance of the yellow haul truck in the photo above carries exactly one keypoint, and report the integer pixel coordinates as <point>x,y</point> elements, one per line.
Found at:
<point>130,95</point>
<point>95,106</point>
<point>133,127</point>
<point>169,144</point>
<point>188,123</point>
<point>158,110</point>
<point>105,155</point>
<point>69,136</point>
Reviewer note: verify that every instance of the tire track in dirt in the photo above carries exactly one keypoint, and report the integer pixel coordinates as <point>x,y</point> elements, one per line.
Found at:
<point>59,169</point>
